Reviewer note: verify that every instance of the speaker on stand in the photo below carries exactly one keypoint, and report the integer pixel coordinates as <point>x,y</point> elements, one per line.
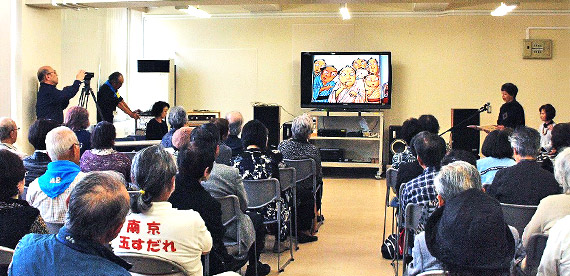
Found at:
<point>269,115</point>
<point>396,142</point>
<point>462,137</point>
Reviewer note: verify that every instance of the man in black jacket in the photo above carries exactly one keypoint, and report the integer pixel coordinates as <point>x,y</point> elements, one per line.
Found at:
<point>51,101</point>
<point>525,183</point>
<point>108,99</point>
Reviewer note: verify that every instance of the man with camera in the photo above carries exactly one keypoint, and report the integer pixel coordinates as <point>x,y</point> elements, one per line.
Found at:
<point>108,99</point>
<point>51,101</point>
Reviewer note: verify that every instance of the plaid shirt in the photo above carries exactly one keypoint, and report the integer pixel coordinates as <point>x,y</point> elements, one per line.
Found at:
<point>420,190</point>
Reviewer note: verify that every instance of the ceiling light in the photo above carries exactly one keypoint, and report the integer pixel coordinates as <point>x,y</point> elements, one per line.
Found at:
<point>344,12</point>
<point>503,9</point>
<point>193,11</point>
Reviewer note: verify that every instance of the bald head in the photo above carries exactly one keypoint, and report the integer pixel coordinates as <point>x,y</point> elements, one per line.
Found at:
<point>235,120</point>
<point>46,74</point>
<point>181,137</point>
<point>8,130</point>
<point>98,206</point>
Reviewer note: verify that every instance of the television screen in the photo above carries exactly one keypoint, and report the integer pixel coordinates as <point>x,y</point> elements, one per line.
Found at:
<point>346,80</point>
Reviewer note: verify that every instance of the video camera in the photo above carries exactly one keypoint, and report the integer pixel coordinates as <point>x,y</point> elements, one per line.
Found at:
<point>89,75</point>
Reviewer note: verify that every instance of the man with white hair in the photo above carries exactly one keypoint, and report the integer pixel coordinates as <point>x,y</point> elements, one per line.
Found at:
<point>49,192</point>
<point>9,135</point>
<point>235,120</point>
<point>455,227</point>
<point>525,183</point>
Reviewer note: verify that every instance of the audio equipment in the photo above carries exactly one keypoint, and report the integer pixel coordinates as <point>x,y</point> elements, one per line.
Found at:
<point>200,117</point>
<point>332,155</point>
<point>269,115</point>
<point>395,141</point>
<point>463,137</point>
<point>331,132</point>
<point>153,66</point>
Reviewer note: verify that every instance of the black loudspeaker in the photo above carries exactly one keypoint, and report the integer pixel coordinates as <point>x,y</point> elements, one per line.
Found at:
<point>462,137</point>
<point>287,130</point>
<point>395,140</point>
<point>269,116</point>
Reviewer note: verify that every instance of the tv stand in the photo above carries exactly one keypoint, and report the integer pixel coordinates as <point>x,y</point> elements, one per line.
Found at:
<point>366,151</point>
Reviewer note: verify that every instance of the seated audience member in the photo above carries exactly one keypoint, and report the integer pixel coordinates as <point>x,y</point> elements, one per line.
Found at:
<point>298,147</point>
<point>194,164</point>
<point>9,135</point>
<point>156,128</point>
<point>560,140</point>
<point>36,164</point>
<point>457,184</point>
<point>430,149</point>
<point>498,155</point>
<point>410,170</point>
<point>225,155</point>
<point>235,120</point>
<point>177,118</point>
<point>102,157</point>
<point>524,183</point>
<point>98,206</point>
<point>17,217</point>
<point>256,162</point>
<point>183,234</point>
<point>547,114</point>
<point>410,128</point>
<point>50,191</point>
<point>458,155</point>
<point>553,207</point>
<point>555,258</point>
<point>77,119</point>
<point>180,138</point>
<point>225,180</point>
<point>429,123</point>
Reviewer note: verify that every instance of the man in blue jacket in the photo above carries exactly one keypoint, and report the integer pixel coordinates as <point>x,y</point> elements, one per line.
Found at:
<point>51,101</point>
<point>98,206</point>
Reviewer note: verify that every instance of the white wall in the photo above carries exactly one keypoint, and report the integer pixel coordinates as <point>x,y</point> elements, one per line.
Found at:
<point>439,63</point>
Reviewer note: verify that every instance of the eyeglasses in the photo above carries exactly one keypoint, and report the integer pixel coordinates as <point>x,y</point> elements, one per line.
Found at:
<point>16,129</point>
<point>78,144</point>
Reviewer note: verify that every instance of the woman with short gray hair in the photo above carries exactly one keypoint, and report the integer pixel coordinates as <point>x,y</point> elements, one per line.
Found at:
<point>298,147</point>
<point>553,207</point>
<point>177,118</point>
<point>183,234</point>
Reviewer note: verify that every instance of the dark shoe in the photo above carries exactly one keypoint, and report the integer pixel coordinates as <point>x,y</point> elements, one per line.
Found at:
<point>304,238</point>
<point>262,270</point>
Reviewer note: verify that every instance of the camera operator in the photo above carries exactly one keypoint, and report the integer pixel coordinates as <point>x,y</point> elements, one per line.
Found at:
<point>51,102</point>
<point>108,99</point>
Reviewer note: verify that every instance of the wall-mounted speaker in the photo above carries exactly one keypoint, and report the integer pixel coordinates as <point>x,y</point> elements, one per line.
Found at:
<point>269,115</point>
<point>395,141</point>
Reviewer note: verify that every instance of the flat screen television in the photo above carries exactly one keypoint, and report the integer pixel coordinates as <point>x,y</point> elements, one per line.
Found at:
<point>346,80</point>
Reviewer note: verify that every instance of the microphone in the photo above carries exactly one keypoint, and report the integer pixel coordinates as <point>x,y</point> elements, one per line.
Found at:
<point>488,107</point>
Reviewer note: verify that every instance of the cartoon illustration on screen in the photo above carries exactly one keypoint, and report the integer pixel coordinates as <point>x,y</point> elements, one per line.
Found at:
<point>347,90</point>
<point>323,85</point>
<point>373,66</point>
<point>318,66</point>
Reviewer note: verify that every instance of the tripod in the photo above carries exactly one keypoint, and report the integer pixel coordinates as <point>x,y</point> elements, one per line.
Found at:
<point>84,97</point>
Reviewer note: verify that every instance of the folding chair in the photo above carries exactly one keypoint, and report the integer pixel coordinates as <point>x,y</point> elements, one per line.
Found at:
<point>306,169</point>
<point>260,193</point>
<point>518,216</point>
<point>391,177</point>
<point>5,258</point>
<point>534,250</point>
<point>53,227</point>
<point>411,217</point>
<point>144,265</point>
<point>230,213</point>
<point>287,179</point>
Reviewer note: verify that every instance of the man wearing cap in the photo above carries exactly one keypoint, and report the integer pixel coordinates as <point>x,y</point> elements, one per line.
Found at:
<point>467,232</point>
